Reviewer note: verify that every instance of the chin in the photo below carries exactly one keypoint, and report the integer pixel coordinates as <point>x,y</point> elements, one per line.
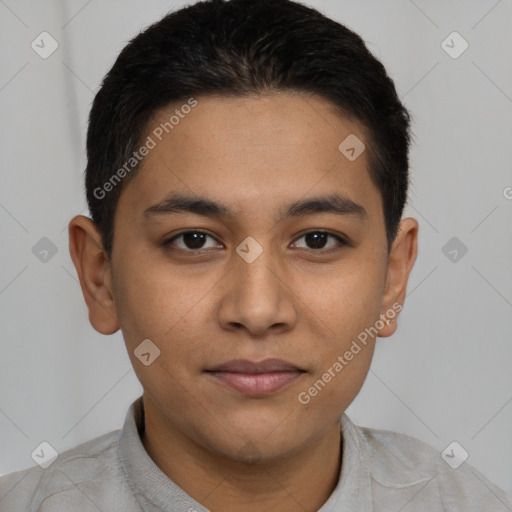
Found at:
<point>257,452</point>
<point>253,439</point>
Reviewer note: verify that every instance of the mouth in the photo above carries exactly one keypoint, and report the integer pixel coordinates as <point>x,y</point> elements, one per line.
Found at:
<point>256,378</point>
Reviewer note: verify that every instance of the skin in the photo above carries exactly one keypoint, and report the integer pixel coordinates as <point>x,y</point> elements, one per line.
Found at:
<point>302,304</point>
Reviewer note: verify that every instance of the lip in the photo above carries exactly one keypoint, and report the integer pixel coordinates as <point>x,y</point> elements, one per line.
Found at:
<point>256,378</point>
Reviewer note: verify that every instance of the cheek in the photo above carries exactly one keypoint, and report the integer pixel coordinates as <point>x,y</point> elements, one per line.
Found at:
<point>152,302</point>
<point>349,300</point>
<point>171,308</point>
<point>330,393</point>
<point>347,306</point>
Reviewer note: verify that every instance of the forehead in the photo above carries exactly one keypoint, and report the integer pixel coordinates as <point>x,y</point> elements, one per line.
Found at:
<point>252,152</point>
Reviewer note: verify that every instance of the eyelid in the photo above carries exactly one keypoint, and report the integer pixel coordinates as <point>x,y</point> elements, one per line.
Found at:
<point>168,241</point>
<point>335,234</point>
<point>341,239</point>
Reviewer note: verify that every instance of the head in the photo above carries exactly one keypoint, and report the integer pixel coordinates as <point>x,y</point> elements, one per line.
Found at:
<point>246,178</point>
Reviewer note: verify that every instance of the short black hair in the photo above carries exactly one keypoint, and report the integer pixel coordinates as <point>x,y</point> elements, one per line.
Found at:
<point>240,48</point>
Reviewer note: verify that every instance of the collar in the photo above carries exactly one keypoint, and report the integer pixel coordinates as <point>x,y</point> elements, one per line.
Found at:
<point>156,491</point>
<point>152,487</point>
<point>353,491</point>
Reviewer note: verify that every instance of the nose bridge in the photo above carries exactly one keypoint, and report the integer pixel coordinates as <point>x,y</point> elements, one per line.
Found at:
<point>257,276</point>
<point>256,297</point>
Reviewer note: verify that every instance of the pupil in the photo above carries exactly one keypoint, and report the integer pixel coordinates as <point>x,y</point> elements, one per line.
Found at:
<point>316,240</point>
<point>194,240</point>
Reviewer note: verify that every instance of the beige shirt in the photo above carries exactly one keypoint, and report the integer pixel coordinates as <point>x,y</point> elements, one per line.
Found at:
<point>381,471</point>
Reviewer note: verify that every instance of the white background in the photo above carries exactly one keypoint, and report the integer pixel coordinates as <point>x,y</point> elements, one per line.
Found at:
<point>446,375</point>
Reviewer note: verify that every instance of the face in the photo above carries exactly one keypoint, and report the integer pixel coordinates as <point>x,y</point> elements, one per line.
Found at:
<point>252,252</point>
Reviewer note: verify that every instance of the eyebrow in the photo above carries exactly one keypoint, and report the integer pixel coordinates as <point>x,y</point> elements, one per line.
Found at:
<point>334,203</point>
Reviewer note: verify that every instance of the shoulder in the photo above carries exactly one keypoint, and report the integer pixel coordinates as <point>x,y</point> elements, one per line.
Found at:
<point>403,465</point>
<point>86,470</point>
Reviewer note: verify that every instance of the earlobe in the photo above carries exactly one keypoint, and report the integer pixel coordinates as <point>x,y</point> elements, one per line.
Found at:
<point>400,263</point>
<point>93,269</point>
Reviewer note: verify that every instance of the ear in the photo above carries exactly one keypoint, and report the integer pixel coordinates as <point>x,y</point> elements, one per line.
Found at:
<point>400,262</point>
<point>93,269</point>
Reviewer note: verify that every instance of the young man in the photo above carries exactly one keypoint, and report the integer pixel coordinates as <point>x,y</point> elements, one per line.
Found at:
<point>247,173</point>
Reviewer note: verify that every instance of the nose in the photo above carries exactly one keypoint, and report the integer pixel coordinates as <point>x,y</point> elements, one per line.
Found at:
<point>258,297</point>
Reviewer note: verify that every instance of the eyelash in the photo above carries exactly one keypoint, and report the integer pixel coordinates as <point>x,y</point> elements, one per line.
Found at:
<point>341,241</point>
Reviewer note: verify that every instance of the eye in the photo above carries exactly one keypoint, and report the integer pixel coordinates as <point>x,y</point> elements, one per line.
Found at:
<point>319,240</point>
<point>196,240</point>
<point>192,241</point>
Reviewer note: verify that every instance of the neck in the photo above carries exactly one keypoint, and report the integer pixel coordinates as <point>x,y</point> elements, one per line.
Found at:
<point>302,481</point>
